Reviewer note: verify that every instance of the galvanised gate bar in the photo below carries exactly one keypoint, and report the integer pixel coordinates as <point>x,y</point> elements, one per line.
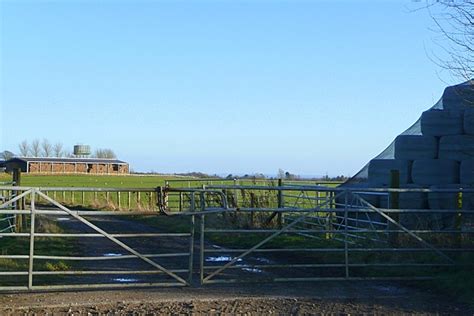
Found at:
<point>230,233</point>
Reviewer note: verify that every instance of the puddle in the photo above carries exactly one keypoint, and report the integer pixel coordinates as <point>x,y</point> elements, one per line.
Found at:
<point>254,270</point>
<point>389,289</point>
<point>216,247</point>
<point>125,280</point>
<point>63,219</point>
<point>111,254</point>
<point>264,260</point>
<point>221,259</point>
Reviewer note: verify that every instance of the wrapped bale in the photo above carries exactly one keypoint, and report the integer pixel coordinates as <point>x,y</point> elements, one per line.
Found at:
<point>413,147</point>
<point>413,200</point>
<point>410,201</point>
<point>441,123</point>
<point>467,219</point>
<point>379,171</point>
<point>459,96</point>
<point>469,121</point>
<point>466,173</point>
<point>428,172</point>
<point>456,147</point>
<point>443,201</point>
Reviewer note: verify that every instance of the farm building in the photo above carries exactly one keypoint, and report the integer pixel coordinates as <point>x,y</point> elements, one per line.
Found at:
<point>35,165</point>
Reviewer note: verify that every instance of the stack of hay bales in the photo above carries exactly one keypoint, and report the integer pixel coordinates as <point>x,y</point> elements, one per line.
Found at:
<point>442,157</point>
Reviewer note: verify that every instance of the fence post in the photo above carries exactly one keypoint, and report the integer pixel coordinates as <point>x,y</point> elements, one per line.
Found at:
<point>119,203</point>
<point>394,204</point>
<point>280,203</point>
<point>19,204</point>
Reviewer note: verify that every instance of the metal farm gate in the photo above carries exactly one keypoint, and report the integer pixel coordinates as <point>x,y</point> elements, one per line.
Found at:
<point>230,233</point>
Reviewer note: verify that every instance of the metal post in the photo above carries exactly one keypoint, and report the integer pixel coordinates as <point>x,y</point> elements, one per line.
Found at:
<point>129,200</point>
<point>32,241</point>
<point>191,247</point>
<point>118,200</point>
<point>72,197</point>
<point>83,198</point>
<point>346,246</point>
<point>201,249</point>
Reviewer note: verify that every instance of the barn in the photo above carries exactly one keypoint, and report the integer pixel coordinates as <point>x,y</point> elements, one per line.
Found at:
<point>44,165</point>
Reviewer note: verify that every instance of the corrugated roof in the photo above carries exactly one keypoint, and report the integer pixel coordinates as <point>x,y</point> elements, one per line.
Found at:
<point>66,160</point>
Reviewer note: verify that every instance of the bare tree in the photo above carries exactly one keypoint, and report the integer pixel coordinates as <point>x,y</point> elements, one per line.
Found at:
<point>46,148</point>
<point>6,155</point>
<point>24,148</point>
<point>35,148</point>
<point>105,153</point>
<point>58,150</point>
<point>454,21</point>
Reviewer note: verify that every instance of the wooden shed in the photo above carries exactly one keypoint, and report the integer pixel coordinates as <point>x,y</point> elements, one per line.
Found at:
<point>36,165</point>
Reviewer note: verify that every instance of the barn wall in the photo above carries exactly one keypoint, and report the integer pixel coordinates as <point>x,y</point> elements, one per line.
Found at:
<point>78,168</point>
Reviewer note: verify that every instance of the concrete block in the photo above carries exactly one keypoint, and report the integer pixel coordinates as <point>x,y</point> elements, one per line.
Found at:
<point>413,147</point>
<point>456,147</point>
<point>441,123</point>
<point>428,172</point>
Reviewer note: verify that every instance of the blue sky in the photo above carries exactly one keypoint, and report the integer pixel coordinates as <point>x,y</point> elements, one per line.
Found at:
<point>312,87</point>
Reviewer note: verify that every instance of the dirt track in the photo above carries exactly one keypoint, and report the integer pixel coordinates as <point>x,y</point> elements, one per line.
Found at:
<point>258,299</point>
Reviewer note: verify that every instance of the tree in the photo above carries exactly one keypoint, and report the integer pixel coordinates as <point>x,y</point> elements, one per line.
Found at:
<point>6,155</point>
<point>281,173</point>
<point>46,147</point>
<point>58,150</point>
<point>454,21</point>
<point>105,153</point>
<point>35,148</point>
<point>24,148</point>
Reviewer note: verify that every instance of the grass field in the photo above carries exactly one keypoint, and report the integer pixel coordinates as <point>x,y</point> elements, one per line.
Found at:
<point>130,181</point>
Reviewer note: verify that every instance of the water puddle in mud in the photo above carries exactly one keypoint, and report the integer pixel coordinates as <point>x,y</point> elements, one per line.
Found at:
<point>63,219</point>
<point>111,254</point>
<point>125,280</point>
<point>221,259</point>
<point>254,270</point>
<point>389,289</point>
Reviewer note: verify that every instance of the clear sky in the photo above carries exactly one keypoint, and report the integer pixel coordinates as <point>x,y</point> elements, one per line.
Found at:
<point>312,87</point>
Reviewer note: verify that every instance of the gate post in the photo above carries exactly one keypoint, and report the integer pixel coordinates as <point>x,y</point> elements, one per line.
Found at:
<point>19,205</point>
<point>280,203</point>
